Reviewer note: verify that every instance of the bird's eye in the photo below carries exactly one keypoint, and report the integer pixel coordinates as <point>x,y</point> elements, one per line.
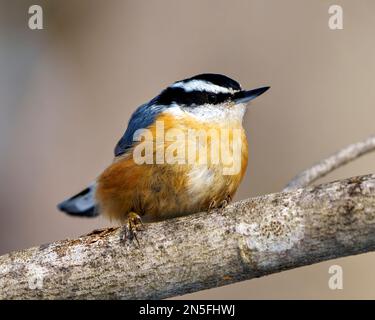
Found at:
<point>212,98</point>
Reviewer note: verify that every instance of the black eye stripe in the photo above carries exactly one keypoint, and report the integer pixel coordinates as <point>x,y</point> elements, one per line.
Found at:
<point>191,98</point>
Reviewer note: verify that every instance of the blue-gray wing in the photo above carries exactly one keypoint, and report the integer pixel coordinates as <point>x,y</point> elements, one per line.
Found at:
<point>142,118</point>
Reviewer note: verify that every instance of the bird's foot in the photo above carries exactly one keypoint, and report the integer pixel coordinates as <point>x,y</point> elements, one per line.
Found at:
<point>212,206</point>
<point>221,205</point>
<point>224,203</point>
<point>133,225</point>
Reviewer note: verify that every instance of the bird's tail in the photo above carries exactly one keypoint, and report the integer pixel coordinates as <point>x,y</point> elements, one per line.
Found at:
<point>82,204</point>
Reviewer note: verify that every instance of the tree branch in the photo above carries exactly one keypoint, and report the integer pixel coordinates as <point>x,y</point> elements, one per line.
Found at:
<point>331,163</point>
<point>248,239</point>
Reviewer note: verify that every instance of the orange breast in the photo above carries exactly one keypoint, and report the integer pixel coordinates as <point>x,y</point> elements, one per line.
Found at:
<point>184,183</point>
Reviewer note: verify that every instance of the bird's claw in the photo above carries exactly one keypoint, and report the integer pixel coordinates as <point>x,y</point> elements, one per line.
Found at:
<point>222,205</point>
<point>133,225</point>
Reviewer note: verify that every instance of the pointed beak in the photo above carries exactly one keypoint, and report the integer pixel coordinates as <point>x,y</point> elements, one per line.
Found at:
<point>246,96</point>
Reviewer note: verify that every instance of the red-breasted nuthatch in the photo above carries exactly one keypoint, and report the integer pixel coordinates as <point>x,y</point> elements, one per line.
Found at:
<point>145,183</point>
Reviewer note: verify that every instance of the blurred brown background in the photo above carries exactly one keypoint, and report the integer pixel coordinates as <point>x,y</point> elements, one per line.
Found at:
<point>67,93</point>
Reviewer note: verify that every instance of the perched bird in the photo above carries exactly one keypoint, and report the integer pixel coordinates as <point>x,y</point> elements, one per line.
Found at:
<point>131,191</point>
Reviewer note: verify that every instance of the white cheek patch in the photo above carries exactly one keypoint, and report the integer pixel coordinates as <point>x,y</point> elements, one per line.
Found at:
<point>209,113</point>
<point>201,85</point>
<point>175,110</point>
<point>216,113</point>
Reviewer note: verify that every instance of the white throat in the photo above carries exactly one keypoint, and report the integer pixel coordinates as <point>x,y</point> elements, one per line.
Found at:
<point>211,113</point>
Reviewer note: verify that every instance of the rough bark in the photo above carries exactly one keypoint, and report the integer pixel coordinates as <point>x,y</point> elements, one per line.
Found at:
<point>248,239</point>
<point>331,163</point>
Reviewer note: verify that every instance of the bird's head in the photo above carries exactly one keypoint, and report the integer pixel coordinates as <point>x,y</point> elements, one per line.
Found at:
<point>208,97</point>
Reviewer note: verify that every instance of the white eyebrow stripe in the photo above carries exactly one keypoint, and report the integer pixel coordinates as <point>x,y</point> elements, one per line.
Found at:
<point>201,85</point>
